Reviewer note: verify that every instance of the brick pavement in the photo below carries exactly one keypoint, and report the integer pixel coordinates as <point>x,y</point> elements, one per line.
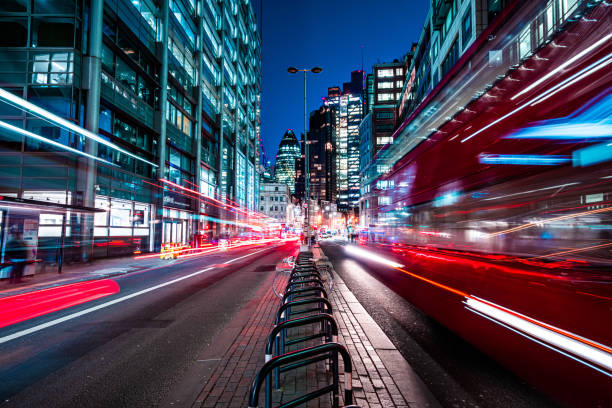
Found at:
<point>381,376</point>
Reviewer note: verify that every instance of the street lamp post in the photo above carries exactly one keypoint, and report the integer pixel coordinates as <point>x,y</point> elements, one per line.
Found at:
<point>315,70</point>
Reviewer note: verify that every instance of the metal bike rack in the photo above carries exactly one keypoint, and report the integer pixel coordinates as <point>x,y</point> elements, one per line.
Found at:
<point>302,292</point>
<point>311,354</point>
<point>283,313</point>
<point>304,288</point>
<point>329,330</point>
<point>300,275</point>
<point>304,282</point>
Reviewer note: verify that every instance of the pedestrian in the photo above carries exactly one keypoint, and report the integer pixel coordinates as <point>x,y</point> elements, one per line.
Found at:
<point>16,251</point>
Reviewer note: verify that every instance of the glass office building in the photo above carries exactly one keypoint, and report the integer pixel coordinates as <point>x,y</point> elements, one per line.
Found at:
<point>288,152</point>
<point>348,110</point>
<point>165,99</point>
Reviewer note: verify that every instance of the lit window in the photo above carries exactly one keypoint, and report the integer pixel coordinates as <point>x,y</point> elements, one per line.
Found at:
<point>383,140</point>
<point>384,73</point>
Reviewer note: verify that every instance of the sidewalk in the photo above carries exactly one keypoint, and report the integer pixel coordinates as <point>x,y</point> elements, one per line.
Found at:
<point>98,269</point>
<point>381,376</point>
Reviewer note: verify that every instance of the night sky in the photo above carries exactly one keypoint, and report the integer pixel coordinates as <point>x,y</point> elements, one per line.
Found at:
<point>329,34</point>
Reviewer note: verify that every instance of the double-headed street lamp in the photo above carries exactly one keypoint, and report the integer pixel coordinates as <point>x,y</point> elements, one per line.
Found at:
<point>315,70</point>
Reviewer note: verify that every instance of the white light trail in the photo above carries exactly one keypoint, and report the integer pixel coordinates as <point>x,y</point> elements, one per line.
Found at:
<point>571,343</point>
<point>590,69</point>
<point>371,256</point>
<point>55,322</point>
<point>530,191</point>
<point>22,104</point>
<point>570,61</point>
<point>34,136</point>
<point>574,80</point>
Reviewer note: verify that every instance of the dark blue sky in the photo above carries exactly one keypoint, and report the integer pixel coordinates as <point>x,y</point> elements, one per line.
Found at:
<point>329,34</point>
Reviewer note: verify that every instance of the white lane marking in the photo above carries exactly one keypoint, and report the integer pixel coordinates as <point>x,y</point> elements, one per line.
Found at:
<point>54,322</point>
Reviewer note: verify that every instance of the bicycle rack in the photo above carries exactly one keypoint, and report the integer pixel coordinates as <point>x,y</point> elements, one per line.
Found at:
<point>304,282</point>
<point>305,288</point>
<point>300,275</point>
<point>312,355</point>
<point>282,314</point>
<point>301,293</point>
<point>329,330</point>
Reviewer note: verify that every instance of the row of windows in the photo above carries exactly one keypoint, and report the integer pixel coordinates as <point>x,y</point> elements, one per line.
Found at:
<point>390,84</point>
<point>38,6</point>
<point>384,115</point>
<point>382,97</point>
<point>125,131</point>
<point>45,32</point>
<point>389,72</point>
<point>274,198</point>
<point>273,208</point>
<point>119,69</point>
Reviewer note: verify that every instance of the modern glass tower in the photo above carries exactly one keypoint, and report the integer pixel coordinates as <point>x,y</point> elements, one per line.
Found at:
<point>288,152</point>
<point>172,89</point>
<point>348,109</point>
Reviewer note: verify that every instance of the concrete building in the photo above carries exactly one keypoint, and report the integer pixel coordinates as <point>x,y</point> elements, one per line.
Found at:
<point>164,91</point>
<point>275,201</point>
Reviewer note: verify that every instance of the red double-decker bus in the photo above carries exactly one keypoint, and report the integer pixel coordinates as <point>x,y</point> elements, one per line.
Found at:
<point>498,199</point>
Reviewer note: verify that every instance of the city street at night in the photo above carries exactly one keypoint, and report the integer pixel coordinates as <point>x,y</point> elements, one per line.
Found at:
<point>322,203</point>
<point>137,351</point>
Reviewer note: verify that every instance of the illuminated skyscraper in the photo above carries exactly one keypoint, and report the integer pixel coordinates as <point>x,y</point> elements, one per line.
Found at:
<point>348,109</point>
<point>288,152</point>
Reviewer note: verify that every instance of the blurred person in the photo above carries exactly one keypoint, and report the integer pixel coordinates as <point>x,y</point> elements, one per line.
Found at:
<point>16,251</point>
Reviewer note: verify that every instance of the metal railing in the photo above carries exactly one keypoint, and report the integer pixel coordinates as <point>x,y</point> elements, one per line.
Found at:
<point>311,354</point>
<point>276,341</point>
<point>304,295</point>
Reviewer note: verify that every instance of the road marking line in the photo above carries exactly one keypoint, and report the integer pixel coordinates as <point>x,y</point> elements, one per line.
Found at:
<point>55,322</point>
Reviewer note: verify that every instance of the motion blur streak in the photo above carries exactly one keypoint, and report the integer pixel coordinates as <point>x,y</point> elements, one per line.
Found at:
<point>524,159</point>
<point>540,222</point>
<point>110,303</point>
<point>562,66</point>
<point>432,282</point>
<point>18,308</point>
<point>50,142</point>
<point>50,117</point>
<point>570,251</point>
<point>560,86</point>
<point>531,191</point>
<point>354,250</point>
<point>576,345</point>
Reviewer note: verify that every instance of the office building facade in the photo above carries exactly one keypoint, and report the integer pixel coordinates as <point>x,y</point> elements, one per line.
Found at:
<point>382,92</point>
<point>171,88</point>
<point>348,110</point>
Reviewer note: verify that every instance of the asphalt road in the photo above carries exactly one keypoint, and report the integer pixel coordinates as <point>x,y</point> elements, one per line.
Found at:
<point>458,374</point>
<point>141,351</point>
